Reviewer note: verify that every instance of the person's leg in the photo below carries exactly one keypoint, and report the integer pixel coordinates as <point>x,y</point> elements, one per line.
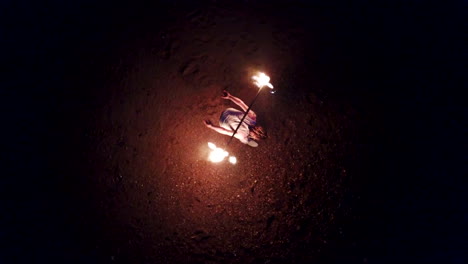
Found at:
<point>238,102</point>
<point>244,107</point>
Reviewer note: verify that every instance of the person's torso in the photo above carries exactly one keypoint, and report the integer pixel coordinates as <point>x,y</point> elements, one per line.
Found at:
<point>231,118</point>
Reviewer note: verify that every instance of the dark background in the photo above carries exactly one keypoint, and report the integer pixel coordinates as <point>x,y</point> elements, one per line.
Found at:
<point>400,64</point>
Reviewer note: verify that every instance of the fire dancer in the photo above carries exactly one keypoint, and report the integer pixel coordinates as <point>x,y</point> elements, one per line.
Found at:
<point>248,133</point>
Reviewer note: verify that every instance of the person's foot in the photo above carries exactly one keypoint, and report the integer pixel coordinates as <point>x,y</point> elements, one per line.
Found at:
<point>226,95</point>
<point>252,143</point>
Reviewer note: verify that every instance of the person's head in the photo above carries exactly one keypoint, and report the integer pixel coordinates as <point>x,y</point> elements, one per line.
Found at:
<point>257,133</point>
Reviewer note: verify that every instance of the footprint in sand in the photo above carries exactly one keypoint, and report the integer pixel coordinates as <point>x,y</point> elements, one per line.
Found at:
<point>191,67</point>
<point>169,48</point>
<point>201,18</point>
<point>192,70</point>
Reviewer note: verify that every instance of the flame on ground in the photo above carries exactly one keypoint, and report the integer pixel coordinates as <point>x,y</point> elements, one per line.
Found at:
<point>232,159</point>
<point>216,154</point>
<point>219,154</point>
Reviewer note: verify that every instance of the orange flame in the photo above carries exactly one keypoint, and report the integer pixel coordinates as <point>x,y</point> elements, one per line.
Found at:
<point>261,79</point>
<point>216,154</point>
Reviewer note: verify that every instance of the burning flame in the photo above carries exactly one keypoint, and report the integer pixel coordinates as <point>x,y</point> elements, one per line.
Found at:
<point>261,79</point>
<point>232,159</point>
<point>217,154</point>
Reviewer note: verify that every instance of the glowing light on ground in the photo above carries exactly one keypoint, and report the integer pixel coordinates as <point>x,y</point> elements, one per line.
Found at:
<point>216,154</point>
<point>219,154</point>
<point>233,159</point>
<point>261,79</point>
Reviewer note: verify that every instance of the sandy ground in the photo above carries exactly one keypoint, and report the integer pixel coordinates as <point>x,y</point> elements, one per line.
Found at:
<point>149,145</point>
<point>126,147</point>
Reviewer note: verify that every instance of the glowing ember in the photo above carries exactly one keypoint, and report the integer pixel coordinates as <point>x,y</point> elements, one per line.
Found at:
<point>261,79</point>
<point>232,159</point>
<point>217,154</point>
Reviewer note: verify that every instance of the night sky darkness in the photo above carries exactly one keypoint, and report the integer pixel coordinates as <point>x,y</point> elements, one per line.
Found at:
<point>389,180</point>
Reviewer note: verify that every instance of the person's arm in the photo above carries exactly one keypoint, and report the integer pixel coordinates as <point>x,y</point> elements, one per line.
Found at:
<point>240,103</point>
<point>222,130</point>
<point>218,129</point>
